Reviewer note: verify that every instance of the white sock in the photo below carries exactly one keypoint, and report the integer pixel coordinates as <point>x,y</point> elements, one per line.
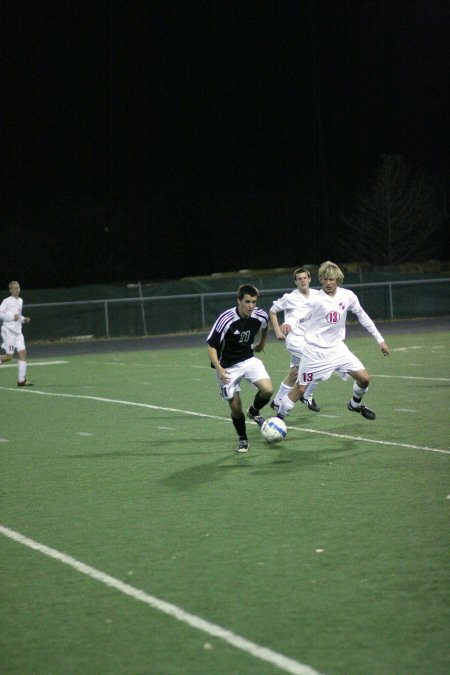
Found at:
<point>284,389</point>
<point>358,393</point>
<point>22,366</point>
<point>286,406</point>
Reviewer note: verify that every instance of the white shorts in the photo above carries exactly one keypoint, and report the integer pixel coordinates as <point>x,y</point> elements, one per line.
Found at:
<point>251,370</point>
<point>318,365</point>
<point>12,341</point>
<point>295,346</point>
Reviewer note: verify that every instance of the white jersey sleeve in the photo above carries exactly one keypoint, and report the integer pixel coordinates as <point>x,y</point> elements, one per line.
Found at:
<point>287,302</point>
<point>294,304</point>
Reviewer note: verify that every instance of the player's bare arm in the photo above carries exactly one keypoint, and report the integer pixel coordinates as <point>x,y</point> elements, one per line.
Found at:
<point>276,326</point>
<point>260,347</point>
<point>212,353</point>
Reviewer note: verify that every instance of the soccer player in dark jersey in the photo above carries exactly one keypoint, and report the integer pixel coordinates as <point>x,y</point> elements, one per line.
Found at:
<point>236,334</point>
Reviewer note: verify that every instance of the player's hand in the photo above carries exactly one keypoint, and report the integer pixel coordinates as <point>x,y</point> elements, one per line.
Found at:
<point>258,348</point>
<point>384,348</point>
<point>26,319</point>
<point>286,329</point>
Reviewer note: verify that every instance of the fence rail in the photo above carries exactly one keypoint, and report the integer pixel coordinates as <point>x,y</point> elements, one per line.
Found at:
<point>166,314</point>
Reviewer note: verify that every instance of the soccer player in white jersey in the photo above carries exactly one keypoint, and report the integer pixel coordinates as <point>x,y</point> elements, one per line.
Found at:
<point>325,351</point>
<point>12,336</point>
<point>292,331</point>
<point>236,334</point>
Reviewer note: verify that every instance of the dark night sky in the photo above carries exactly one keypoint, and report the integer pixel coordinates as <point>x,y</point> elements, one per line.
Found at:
<point>160,139</point>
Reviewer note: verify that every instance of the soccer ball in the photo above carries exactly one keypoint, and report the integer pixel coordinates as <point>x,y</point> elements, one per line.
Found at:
<point>273,430</point>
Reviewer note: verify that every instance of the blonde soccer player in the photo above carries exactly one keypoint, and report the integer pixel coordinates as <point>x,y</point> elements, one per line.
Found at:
<point>325,351</point>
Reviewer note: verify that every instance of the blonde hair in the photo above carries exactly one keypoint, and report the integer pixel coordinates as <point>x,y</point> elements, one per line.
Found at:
<point>329,270</point>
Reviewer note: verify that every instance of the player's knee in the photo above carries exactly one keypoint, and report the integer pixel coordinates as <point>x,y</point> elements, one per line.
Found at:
<point>361,378</point>
<point>265,389</point>
<point>235,406</point>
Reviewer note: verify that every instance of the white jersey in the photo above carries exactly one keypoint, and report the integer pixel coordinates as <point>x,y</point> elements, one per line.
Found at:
<point>8,309</point>
<point>294,305</point>
<point>324,323</point>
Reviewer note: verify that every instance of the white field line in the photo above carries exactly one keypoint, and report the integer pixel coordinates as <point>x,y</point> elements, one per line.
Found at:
<point>414,377</point>
<point>31,364</point>
<point>372,440</point>
<point>407,349</point>
<point>276,370</point>
<point>237,641</point>
<point>398,377</point>
<point>221,418</point>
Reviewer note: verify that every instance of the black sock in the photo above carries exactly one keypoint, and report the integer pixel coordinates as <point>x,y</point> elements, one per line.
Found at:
<point>239,425</point>
<point>259,403</point>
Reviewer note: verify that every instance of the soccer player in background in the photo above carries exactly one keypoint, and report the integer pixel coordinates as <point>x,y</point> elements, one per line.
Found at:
<point>325,351</point>
<point>12,336</point>
<point>235,336</point>
<point>293,304</point>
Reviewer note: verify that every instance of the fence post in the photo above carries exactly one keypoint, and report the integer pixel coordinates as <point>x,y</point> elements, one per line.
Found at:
<point>106,319</point>
<point>202,303</point>
<point>391,301</point>
<point>142,309</point>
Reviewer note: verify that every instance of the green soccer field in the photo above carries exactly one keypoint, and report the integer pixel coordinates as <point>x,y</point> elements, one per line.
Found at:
<point>134,540</point>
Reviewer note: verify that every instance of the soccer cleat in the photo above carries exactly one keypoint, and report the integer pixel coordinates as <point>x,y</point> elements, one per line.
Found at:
<point>274,406</point>
<point>310,402</point>
<point>25,383</point>
<point>242,447</point>
<point>256,418</point>
<point>365,412</point>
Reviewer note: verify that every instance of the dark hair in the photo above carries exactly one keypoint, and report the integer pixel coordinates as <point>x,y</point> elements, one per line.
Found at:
<point>247,289</point>
<point>300,270</point>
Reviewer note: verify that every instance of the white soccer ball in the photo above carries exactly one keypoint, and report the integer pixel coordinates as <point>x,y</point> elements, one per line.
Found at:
<point>273,430</point>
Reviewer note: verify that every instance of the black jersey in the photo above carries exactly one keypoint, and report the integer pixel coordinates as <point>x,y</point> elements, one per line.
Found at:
<point>234,337</point>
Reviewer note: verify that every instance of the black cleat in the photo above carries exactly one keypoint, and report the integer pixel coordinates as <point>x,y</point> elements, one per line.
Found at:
<point>365,412</point>
<point>25,383</point>
<point>242,447</point>
<point>310,402</point>
<point>256,418</point>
